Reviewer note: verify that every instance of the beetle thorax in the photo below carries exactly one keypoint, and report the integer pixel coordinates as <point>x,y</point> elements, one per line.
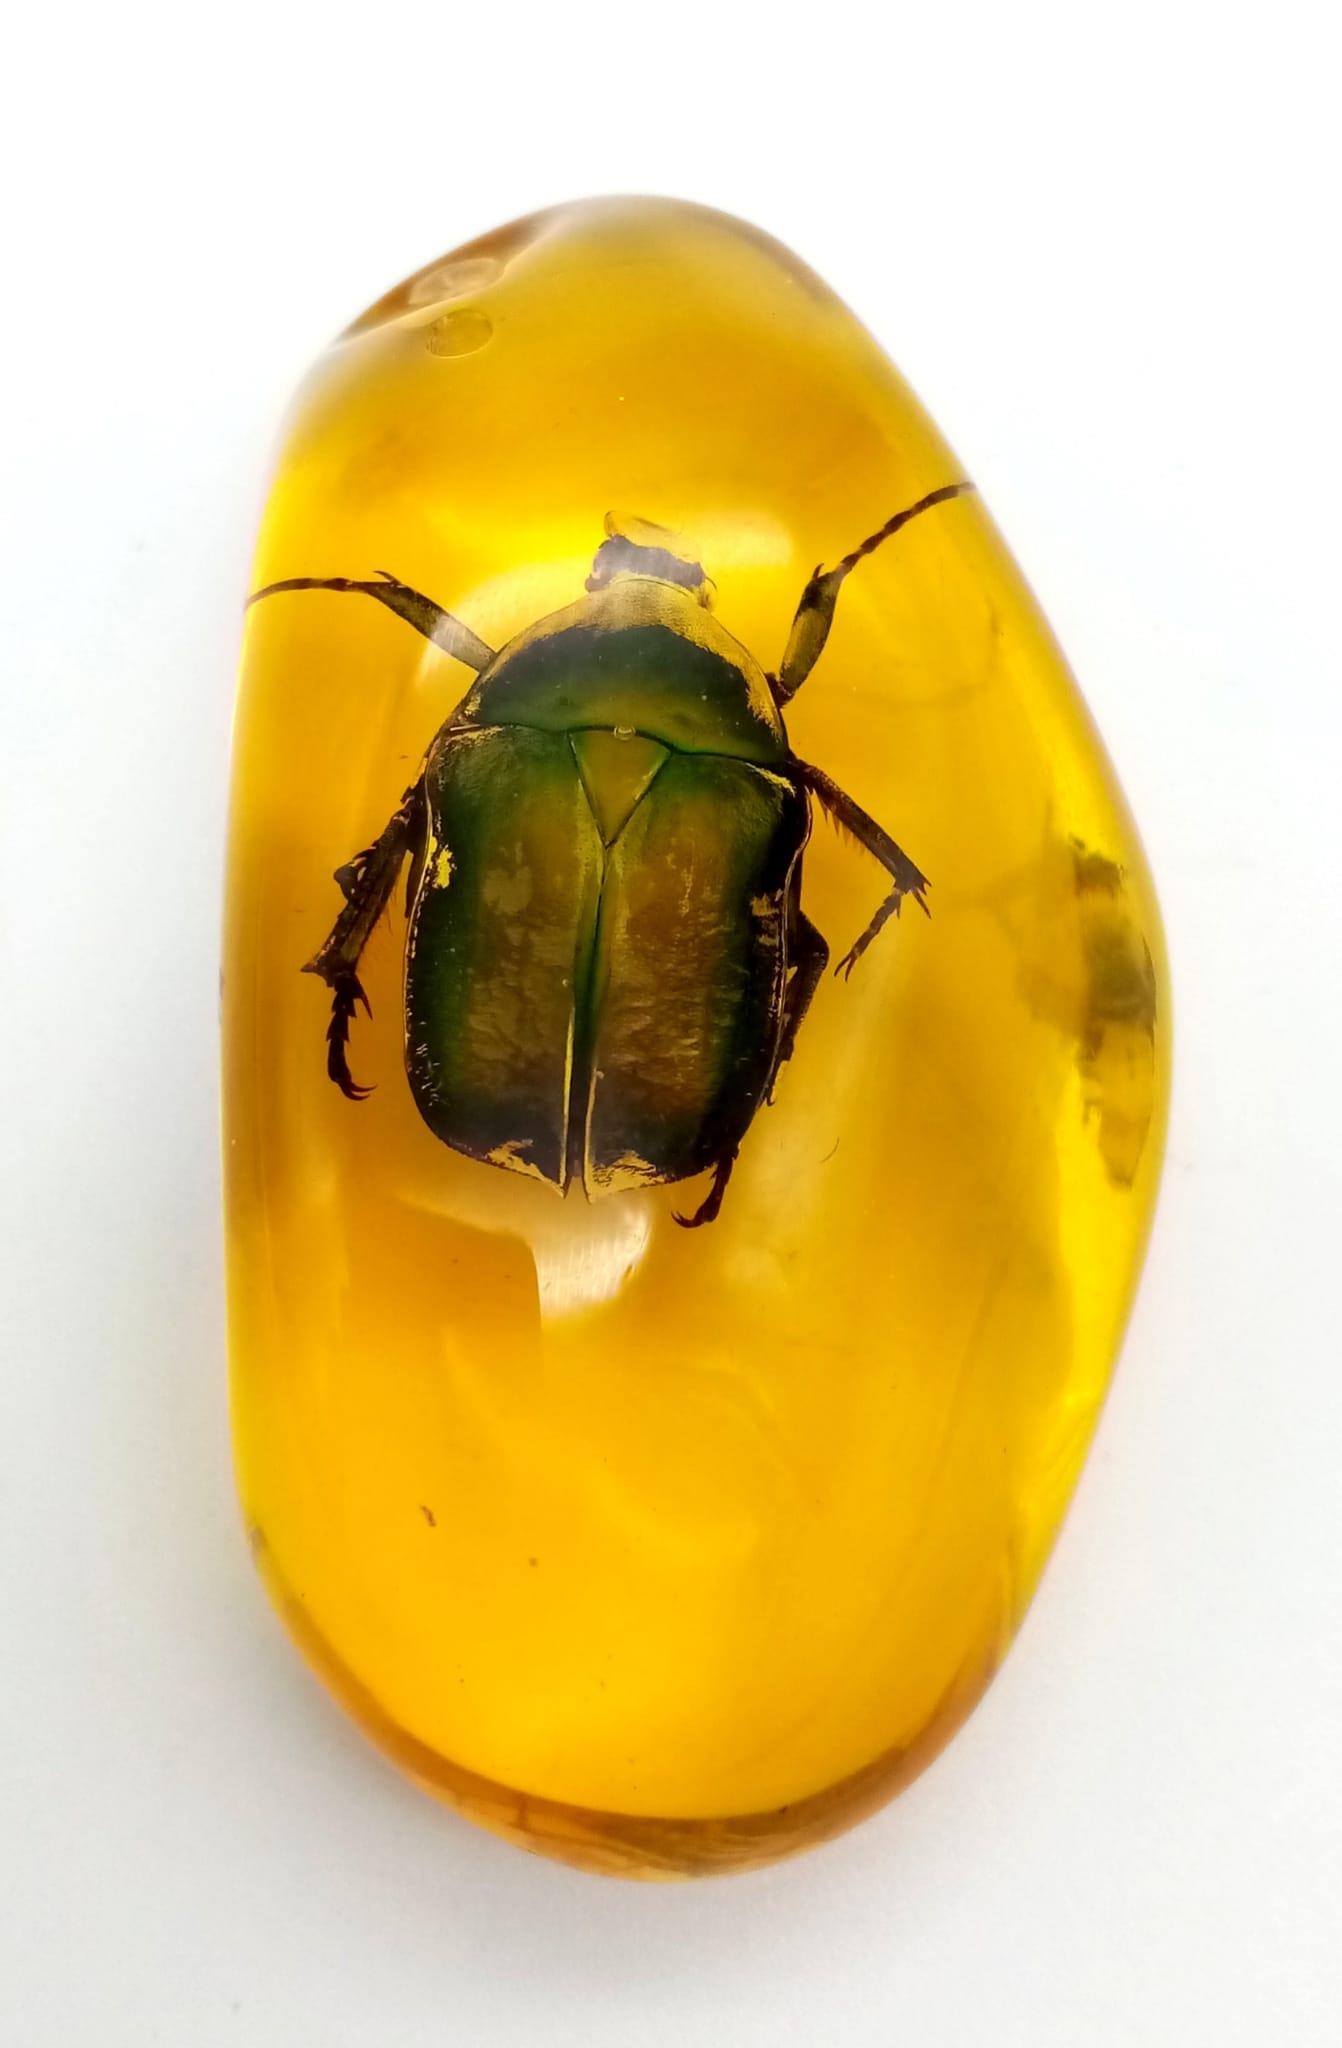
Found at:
<point>636,547</point>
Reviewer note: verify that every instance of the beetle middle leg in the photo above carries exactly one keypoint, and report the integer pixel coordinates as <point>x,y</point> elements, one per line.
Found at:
<point>815,613</point>
<point>367,882</point>
<point>848,814</point>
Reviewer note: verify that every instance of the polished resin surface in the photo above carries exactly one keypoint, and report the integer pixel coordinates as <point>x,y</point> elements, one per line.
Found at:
<point>654,1548</point>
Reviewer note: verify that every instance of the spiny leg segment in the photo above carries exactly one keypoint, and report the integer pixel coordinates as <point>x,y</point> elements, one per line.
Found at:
<point>908,879</point>
<point>367,882</point>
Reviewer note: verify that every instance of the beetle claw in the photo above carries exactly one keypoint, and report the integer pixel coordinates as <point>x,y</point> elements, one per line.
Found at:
<point>712,1202</point>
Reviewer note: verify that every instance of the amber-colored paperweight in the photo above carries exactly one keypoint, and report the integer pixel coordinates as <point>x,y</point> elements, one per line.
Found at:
<point>673,1278</point>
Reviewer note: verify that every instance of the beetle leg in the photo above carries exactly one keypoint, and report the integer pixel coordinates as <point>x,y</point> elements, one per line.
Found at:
<point>811,949</point>
<point>909,880</point>
<point>418,611</point>
<point>815,613</point>
<point>367,882</point>
<point>712,1202</point>
<point>346,995</point>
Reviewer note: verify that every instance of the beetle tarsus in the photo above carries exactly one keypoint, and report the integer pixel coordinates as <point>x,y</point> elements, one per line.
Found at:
<point>346,995</point>
<point>889,909</point>
<point>712,1202</point>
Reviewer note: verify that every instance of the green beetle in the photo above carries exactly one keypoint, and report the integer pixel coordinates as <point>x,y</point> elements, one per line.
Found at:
<point>607,959</point>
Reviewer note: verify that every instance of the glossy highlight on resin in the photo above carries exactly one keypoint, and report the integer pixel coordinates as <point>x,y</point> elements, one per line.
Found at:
<point>664,1550</point>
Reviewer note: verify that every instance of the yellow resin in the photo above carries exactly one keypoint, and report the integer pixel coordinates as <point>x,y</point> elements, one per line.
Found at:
<point>666,1550</point>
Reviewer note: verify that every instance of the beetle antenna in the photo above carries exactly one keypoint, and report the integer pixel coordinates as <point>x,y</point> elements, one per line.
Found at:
<point>892,526</point>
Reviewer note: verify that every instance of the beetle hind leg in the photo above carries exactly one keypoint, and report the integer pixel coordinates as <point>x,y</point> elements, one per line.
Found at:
<point>366,882</point>
<point>712,1202</point>
<point>811,957</point>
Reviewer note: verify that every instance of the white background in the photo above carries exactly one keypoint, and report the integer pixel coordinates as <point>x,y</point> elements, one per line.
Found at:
<point>1103,244</point>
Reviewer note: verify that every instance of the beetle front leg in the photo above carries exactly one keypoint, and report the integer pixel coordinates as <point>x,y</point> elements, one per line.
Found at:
<point>908,879</point>
<point>418,611</point>
<point>367,882</point>
<point>815,613</point>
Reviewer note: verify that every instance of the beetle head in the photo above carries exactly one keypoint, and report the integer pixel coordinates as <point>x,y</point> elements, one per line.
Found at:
<point>635,547</point>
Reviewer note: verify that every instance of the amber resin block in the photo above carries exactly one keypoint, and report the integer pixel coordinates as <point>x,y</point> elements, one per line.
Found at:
<point>660,1361</point>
